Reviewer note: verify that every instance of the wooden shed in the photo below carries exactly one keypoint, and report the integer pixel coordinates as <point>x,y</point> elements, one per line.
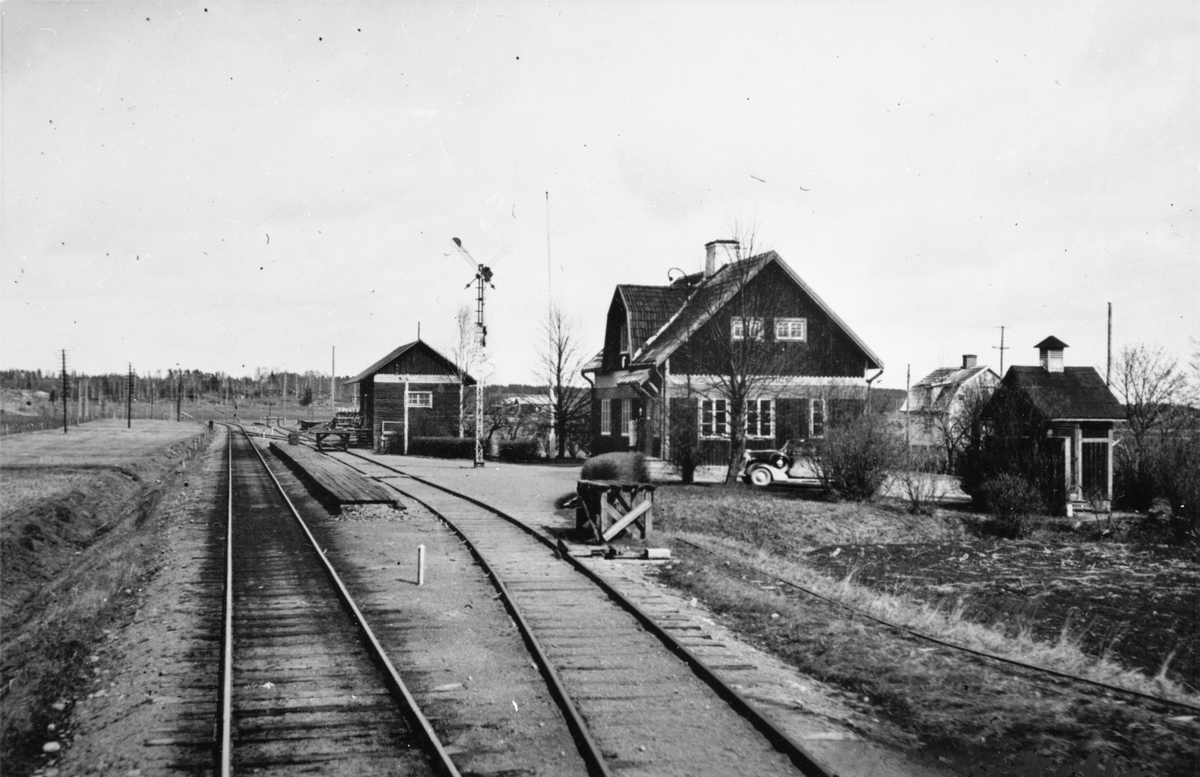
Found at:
<point>414,391</point>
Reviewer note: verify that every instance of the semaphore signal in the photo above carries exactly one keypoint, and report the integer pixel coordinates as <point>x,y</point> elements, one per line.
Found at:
<point>483,279</point>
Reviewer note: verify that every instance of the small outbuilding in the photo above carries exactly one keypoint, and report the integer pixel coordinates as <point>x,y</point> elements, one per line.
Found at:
<point>1077,413</point>
<point>414,391</point>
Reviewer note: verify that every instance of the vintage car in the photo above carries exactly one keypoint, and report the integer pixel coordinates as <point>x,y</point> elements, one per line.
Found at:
<point>794,463</point>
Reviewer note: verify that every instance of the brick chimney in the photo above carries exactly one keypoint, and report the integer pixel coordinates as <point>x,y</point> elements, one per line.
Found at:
<point>969,360</point>
<point>719,249</point>
<point>1050,354</point>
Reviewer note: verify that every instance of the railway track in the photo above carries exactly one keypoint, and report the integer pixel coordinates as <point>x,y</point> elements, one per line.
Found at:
<point>305,684</point>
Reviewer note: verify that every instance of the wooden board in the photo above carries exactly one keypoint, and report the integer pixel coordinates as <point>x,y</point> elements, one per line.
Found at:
<point>332,478</point>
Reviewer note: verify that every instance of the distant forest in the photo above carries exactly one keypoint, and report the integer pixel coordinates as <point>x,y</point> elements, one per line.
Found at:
<point>195,384</point>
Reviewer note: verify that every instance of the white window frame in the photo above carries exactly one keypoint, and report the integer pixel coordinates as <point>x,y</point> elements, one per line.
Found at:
<point>717,418</point>
<point>737,328</point>
<point>415,399</point>
<point>785,330</point>
<point>812,418</point>
<point>630,421</point>
<point>606,417</point>
<point>760,430</point>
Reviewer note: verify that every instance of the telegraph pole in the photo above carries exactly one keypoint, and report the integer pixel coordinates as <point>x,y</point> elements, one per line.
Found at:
<point>1108,373</point>
<point>1001,349</point>
<point>65,386</point>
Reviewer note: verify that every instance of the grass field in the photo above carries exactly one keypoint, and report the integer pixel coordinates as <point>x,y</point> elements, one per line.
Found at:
<point>911,570</point>
<point>74,542</point>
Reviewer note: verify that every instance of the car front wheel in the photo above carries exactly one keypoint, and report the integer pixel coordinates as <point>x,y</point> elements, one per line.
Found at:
<point>760,477</point>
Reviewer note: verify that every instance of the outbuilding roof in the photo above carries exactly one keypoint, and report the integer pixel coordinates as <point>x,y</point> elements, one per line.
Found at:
<point>1076,393</point>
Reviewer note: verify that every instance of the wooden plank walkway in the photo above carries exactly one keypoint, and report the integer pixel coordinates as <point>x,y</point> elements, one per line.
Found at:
<point>333,480</point>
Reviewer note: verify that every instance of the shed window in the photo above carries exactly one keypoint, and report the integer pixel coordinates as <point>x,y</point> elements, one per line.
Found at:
<point>714,418</point>
<point>795,329</point>
<point>420,399</point>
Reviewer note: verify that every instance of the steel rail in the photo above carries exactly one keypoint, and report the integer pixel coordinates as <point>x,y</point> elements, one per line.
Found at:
<point>963,648</point>
<point>587,747</point>
<point>805,761</point>
<point>225,749</point>
<point>442,763</point>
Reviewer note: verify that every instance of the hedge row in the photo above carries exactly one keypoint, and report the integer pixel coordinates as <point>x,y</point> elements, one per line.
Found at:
<point>442,447</point>
<point>519,450</point>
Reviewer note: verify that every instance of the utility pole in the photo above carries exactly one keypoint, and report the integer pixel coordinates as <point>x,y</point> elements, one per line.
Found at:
<point>1108,373</point>
<point>333,383</point>
<point>65,386</point>
<point>907,405</point>
<point>1002,349</point>
<point>129,399</point>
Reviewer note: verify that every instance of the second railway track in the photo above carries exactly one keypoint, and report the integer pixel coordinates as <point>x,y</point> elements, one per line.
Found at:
<point>647,710</point>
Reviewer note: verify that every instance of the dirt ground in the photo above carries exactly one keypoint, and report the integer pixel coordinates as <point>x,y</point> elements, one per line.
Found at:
<point>83,589</point>
<point>1136,604</point>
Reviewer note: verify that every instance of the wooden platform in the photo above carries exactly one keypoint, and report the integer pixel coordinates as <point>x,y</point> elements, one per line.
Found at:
<point>333,481</point>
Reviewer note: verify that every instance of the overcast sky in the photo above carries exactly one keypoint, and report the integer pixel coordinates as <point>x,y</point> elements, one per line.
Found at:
<point>237,185</point>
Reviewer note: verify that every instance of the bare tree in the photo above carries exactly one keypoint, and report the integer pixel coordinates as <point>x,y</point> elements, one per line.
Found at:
<point>465,350</point>
<point>749,363</point>
<point>1160,448</point>
<point>953,425</point>
<point>1152,386</point>
<point>561,361</point>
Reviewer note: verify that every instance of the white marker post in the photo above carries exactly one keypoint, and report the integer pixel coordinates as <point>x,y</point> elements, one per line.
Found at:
<point>420,565</point>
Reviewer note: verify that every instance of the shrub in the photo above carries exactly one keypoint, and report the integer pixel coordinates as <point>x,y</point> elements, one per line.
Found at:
<point>519,450</point>
<point>857,457</point>
<point>627,467</point>
<point>1012,499</point>
<point>919,482</point>
<point>442,447</point>
<point>392,444</point>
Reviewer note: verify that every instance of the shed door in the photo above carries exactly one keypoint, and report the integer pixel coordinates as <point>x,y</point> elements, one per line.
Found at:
<point>1095,468</point>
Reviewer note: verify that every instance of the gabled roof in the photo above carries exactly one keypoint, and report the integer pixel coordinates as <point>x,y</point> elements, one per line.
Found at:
<point>950,380</point>
<point>709,295</point>
<point>1076,393</point>
<point>649,307</point>
<point>421,344</point>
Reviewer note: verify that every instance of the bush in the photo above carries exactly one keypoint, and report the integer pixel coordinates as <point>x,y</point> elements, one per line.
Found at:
<point>627,467</point>
<point>442,447</point>
<point>1012,499</point>
<point>519,450</point>
<point>857,457</point>
<point>391,444</point>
